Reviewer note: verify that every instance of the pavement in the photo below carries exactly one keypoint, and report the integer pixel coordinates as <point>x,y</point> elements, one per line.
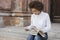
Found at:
<point>54,34</point>
<point>18,33</point>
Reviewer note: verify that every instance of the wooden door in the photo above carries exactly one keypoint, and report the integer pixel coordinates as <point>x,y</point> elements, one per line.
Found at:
<point>55,12</point>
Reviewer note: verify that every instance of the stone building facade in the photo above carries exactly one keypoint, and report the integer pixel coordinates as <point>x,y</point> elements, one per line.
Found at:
<point>21,11</point>
<point>20,8</point>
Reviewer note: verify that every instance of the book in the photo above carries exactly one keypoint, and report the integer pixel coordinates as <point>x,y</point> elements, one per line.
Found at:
<point>39,31</point>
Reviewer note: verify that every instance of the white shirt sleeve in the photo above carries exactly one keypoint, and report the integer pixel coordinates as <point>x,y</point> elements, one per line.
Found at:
<point>48,24</point>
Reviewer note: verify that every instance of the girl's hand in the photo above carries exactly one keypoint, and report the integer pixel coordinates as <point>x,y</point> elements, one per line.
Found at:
<point>26,29</point>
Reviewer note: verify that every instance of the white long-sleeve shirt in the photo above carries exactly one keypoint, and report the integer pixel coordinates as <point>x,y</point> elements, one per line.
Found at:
<point>41,21</point>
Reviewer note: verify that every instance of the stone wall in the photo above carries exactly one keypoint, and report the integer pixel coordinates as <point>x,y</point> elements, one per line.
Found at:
<point>20,7</point>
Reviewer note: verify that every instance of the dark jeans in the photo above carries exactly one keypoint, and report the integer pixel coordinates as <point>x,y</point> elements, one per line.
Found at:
<point>37,37</point>
<point>44,38</point>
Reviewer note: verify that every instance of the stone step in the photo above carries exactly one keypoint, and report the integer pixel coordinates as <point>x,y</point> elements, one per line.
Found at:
<point>13,33</point>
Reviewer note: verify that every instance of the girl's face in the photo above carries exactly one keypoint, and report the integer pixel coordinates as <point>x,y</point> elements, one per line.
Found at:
<point>35,11</point>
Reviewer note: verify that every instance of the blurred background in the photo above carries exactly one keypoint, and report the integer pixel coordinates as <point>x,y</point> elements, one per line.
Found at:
<point>12,27</point>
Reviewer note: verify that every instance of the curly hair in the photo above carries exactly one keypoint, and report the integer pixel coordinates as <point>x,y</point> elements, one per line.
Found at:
<point>37,5</point>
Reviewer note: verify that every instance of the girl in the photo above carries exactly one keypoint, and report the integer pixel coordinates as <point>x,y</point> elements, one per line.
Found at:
<point>40,21</point>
